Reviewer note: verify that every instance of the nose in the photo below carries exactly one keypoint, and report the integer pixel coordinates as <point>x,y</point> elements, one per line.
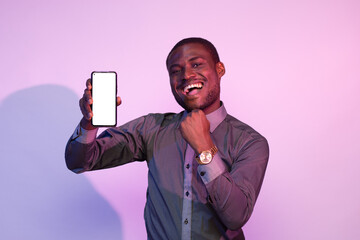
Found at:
<point>188,73</point>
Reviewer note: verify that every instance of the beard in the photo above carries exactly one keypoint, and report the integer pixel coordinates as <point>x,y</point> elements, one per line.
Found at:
<point>212,96</point>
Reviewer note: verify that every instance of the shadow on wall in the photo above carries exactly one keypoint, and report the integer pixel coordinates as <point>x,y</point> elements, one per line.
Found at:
<point>40,198</point>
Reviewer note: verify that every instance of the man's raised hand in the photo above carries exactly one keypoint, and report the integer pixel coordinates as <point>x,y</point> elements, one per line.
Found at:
<point>195,129</point>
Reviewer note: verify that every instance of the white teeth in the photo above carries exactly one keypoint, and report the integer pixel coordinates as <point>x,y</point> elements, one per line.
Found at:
<point>195,85</point>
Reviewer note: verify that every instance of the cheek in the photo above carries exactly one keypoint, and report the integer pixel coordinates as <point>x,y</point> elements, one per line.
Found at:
<point>173,88</point>
<point>173,83</point>
<point>208,73</point>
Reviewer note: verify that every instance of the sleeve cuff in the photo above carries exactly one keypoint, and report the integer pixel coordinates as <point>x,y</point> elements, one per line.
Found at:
<point>212,170</point>
<point>84,136</point>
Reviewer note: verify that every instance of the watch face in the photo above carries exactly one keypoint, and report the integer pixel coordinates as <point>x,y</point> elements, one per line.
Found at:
<point>205,157</point>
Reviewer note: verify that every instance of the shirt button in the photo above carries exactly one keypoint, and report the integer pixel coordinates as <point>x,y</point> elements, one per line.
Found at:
<point>187,166</point>
<point>187,193</point>
<point>202,173</point>
<point>186,221</point>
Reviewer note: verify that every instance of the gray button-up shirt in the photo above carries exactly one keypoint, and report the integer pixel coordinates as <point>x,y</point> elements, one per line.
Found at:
<point>184,200</point>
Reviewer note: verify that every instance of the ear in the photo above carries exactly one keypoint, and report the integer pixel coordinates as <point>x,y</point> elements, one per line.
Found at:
<point>220,69</point>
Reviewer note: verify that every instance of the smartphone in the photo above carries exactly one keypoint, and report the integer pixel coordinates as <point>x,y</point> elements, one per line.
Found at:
<point>104,90</point>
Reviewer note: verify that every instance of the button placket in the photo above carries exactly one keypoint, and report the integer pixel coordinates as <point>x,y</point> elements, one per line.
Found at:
<point>187,203</point>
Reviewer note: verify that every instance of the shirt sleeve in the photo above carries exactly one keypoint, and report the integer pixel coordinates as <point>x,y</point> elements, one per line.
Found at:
<point>232,193</point>
<point>211,171</point>
<point>84,136</point>
<point>113,147</point>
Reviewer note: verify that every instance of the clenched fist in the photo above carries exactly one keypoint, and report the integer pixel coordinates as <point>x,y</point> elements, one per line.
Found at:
<point>195,129</point>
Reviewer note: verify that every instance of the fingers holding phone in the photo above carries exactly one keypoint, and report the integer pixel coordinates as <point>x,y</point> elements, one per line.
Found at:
<point>86,101</point>
<point>118,101</point>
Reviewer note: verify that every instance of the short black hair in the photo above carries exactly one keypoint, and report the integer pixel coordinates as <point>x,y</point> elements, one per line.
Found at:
<point>205,43</point>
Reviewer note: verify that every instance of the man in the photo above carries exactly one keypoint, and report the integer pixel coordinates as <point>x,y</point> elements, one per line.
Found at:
<point>205,167</point>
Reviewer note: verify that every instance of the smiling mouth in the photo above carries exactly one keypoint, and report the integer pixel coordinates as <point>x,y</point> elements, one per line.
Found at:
<point>192,89</point>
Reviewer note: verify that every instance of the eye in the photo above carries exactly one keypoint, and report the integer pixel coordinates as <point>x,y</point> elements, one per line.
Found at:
<point>175,71</point>
<point>195,65</point>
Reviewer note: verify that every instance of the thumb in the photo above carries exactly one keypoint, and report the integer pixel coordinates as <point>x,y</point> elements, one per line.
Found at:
<point>118,101</point>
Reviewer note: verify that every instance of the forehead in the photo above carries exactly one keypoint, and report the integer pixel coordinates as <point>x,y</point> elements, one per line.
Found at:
<point>187,52</point>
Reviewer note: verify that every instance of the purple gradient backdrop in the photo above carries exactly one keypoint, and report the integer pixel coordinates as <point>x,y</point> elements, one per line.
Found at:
<point>292,73</point>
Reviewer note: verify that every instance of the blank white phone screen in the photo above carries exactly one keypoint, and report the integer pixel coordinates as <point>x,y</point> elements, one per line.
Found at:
<point>104,98</point>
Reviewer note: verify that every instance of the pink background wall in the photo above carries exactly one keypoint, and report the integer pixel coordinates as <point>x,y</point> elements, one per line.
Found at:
<point>292,73</point>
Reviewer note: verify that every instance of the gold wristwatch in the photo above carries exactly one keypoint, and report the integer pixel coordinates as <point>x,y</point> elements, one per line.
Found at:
<point>205,157</point>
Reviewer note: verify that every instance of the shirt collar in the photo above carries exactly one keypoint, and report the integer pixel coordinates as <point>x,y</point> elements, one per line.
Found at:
<point>216,117</point>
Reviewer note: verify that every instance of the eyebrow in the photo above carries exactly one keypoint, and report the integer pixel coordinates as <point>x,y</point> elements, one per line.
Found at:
<point>174,65</point>
<point>195,58</point>
<point>190,60</point>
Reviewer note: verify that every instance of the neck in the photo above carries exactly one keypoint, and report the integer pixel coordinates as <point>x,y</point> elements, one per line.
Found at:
<point>215,106</point>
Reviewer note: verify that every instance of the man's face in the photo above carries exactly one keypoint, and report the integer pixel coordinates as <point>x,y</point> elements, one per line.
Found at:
<point>195,78</point>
